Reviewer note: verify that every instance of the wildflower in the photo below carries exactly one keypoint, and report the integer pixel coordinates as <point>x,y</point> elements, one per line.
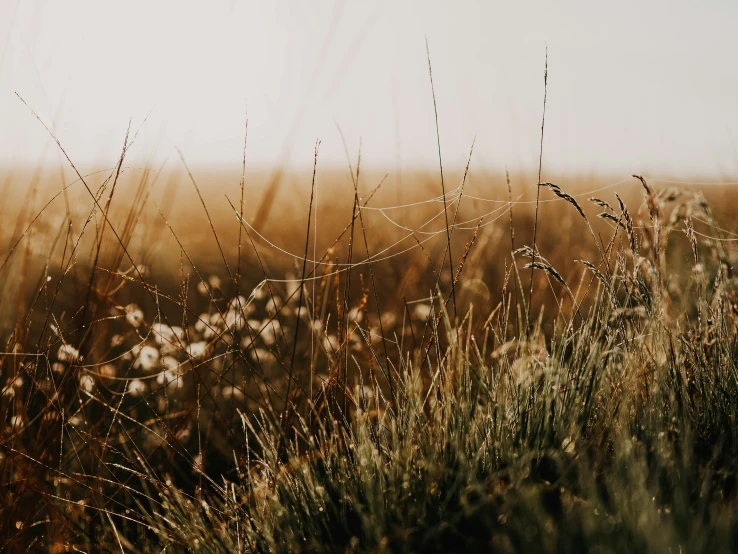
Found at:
<point>107,370</point>
<point>247,341</point>
<point>422,311</point>
<point>116,340</point>
<point>330,342</point>
<point>388,320</point>
<point>258,292</point>
<point>166,377</point>
<point>217,321</point>
<point>196,349</point>
<point>239,303</point>
<point>293,285</point>
<point>355,314</point>
<point>86,383</point>
<point>134,315</point>
<point>260,355</point>
<point>68,353</point>
<point>375,335</point>
<point>148,358</point>
<point>271,330</point>
<point>166,334</point>
<point>203,323</point>
<point>234,320</point>
<point>229,392</point>
<point>17,423</point>
<point>137,387</point>
<point>202,288</point>
<point>274,305</point>
<point>170,363</point>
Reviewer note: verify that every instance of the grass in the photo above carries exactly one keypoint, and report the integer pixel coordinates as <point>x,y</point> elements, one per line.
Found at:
<point>175,384</point>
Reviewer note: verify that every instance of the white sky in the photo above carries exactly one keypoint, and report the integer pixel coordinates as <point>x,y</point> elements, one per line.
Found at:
<point>634,85</point>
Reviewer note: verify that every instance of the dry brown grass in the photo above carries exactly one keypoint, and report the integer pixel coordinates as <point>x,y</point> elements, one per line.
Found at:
<point>77,275</point>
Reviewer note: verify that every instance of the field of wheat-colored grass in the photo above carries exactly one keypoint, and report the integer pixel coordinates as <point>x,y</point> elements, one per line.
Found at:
<point>348,360</point>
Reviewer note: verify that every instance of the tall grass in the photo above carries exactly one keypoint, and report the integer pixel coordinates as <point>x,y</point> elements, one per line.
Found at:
<point>293,407</point>
<point>616,434</point>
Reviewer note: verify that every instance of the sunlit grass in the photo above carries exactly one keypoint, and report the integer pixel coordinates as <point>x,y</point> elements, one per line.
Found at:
<point>319,388</point>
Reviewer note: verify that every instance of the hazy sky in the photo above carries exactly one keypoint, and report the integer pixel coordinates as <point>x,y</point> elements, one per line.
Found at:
<point>633,85</point>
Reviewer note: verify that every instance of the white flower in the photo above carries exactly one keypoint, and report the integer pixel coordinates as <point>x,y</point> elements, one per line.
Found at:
<point>330,343</point>
<point>272,330</point>
<point>134,315</point>
<point>388,320</point>
<point>238,303</point>
<point>148,358</point>
<point>108,370</point>
<point>136,387</point>
<point>247,341</point>
<point>17,423</point>
<point>165,334</point>
<point>170,363</point>
<point>86,383</point>
<point>292,287</point>
<point>197,349</point>
<point>217,320</point>
<point>229,392</point>
<point>422,311</point>
<point>68,353</point>
<point>202,323</point>
<point>166,377</point>
<point>235,320</point>
<point>260,355</point>
<point>270,307</point>
<point>355,314</point>
<point>258,292</point>
<point>375,335</point>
